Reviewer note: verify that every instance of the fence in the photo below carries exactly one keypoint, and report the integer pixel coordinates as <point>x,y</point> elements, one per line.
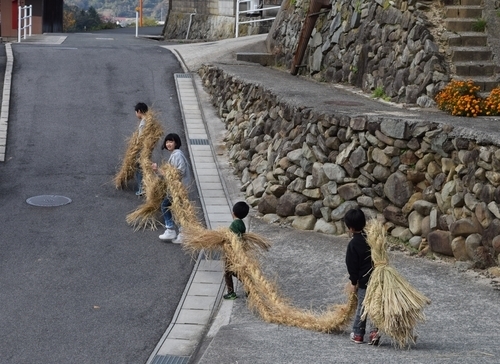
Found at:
<point>253,7</point>
<point>24,22</point>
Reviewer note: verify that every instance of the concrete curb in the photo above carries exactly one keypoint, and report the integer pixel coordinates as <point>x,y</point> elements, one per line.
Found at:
<point>4,112</point>
<point>202,296</point>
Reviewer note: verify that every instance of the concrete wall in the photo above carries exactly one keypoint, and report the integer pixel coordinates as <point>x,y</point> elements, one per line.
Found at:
<point>213,7</point>
<point>212,19</point>
<point>202,7</point>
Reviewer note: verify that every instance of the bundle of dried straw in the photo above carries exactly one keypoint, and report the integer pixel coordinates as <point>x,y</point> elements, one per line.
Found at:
<point>139,149</point>
<point>393,305</point>
<point>168,182</point>
<point>263,295</point>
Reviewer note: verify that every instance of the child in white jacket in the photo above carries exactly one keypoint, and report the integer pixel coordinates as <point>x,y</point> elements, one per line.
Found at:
<point>177,159</point>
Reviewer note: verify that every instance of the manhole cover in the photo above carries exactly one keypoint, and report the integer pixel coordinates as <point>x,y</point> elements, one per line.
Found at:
<point>48,200</point>
<point>344,103</point>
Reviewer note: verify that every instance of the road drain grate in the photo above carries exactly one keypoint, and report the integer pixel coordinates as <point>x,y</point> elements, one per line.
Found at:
<point>170,359</point>
<point>199,142</point>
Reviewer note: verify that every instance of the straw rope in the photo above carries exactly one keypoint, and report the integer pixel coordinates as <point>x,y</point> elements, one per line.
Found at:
<point>264,297</point>
<point>391,303</point>
<point>241,254</point>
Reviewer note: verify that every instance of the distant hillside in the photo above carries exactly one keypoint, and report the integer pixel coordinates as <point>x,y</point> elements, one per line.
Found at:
<point>156,9</point>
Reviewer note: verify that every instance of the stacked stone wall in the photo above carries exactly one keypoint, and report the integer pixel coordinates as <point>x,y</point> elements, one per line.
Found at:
<point>370,44</point>
<point>421,180</point>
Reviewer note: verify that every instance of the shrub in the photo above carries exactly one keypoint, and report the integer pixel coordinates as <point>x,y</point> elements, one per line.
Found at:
<point>461,98</point>
<point>378,92</point>
<point>468,105</point>
<point>492,103</point>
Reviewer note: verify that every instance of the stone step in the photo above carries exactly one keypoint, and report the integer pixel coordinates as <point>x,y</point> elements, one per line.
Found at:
<point>467,39</point>
<point>264,59</point>
<point>462,2</point>
<point>485,83</point>
<point>475,68</point>
<point>464,11</point>
<point>469,2</point>
<point>464,54</point>
<point>460,25</point>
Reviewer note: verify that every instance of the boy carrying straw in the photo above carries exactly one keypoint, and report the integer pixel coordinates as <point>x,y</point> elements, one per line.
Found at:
<point>240,211</point>
<point>359,266</point>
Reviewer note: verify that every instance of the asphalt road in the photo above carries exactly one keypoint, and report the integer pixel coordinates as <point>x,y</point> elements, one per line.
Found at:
<point>77,284</point>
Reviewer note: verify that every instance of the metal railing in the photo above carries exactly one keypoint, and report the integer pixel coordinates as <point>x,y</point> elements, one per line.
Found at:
<point>253,6</point>
<point>25,22</point>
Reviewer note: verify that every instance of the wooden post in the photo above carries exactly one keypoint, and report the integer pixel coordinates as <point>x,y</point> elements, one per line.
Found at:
<point>140,13</point>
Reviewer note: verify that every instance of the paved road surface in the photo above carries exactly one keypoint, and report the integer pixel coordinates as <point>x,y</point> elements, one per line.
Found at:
<point>77,285</point>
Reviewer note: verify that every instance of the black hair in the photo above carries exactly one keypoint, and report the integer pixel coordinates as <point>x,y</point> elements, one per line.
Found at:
<point>141,107</point>
<point>173,138</point>
<point>355,219</point>
<point>240,209</point>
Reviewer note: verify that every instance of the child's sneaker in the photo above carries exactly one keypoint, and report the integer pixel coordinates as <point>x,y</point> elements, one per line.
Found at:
<point>374,338</point>
<point>358,339</point>
<point>230,296</point>
<point>178,239</point>
<point>169,234</point>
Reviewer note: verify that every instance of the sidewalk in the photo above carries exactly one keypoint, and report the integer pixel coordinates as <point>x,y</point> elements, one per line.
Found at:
<point>309,267</point>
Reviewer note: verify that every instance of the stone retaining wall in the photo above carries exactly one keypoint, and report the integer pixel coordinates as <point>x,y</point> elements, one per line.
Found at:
<point>311,168</point>
<point>369,44</point>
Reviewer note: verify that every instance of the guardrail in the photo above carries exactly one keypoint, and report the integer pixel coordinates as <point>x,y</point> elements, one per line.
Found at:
<point>253,6</point>
<point>25,22</point>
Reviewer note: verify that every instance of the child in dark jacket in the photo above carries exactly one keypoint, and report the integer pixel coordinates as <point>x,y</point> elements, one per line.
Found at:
<point>240,211</point>
<point>359,266</point>
<point>141,109</point>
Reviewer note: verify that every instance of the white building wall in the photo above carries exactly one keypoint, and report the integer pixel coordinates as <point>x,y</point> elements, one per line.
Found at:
<point>227,7</point>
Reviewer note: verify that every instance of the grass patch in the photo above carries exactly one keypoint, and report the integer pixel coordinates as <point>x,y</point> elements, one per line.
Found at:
<point>379,93</point>
<point>479,25</point>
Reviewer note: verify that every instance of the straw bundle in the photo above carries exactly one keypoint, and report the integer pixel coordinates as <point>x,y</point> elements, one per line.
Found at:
<point>145,215</point>
<point>156,188</point>
<point>129,164</point>
<point>264,296</point>
<point>139,149</point>
<point>393,305</point>
<point>254,242</point>
<point>183,211</point>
